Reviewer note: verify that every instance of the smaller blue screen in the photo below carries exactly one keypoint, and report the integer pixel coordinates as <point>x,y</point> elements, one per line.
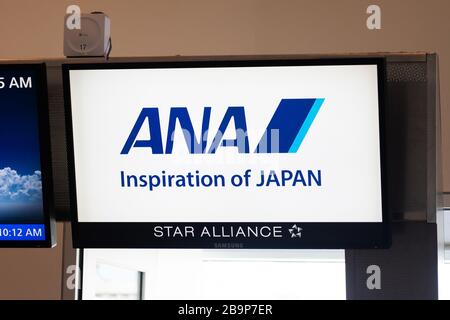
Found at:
<point>21,199</point>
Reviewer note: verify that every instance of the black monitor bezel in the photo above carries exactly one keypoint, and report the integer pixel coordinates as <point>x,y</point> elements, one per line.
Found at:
<point>45,157</point>
<point>135,235</point>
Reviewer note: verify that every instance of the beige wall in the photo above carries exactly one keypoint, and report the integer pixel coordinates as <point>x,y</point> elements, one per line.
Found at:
<point>31,274</point>
<point>32,28</point>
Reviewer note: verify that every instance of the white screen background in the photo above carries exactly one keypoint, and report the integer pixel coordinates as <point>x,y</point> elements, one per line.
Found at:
<point>343,142</point>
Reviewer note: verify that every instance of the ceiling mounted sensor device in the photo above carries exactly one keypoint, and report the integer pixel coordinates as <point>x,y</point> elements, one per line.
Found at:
<point>90,38</point>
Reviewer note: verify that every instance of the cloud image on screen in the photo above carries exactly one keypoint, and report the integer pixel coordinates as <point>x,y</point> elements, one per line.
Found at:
<point>20,164</point>
<point>20,197</point>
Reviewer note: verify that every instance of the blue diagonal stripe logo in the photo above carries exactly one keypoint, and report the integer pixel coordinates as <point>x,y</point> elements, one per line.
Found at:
<point>289,125</point>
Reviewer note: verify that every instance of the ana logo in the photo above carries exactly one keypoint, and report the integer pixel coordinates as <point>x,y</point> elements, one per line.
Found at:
<point>284,133</point>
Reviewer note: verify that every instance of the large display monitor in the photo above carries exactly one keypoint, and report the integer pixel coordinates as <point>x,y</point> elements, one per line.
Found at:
<point>227,154</point>
<point>25,161</point>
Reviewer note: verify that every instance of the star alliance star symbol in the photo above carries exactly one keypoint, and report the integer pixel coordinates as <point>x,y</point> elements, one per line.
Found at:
<point>296,232</point>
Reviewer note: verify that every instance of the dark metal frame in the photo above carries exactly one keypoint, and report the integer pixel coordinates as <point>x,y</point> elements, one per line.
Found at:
<point>320,235</point>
